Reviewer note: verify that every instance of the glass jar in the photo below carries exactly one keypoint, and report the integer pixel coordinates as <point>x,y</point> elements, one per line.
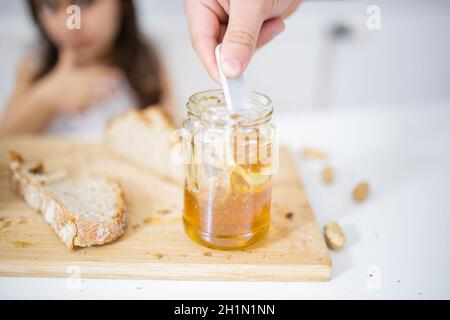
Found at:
<point>229,165</point>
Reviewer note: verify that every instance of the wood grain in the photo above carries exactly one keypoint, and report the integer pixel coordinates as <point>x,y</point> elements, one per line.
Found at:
<point>154,245</point>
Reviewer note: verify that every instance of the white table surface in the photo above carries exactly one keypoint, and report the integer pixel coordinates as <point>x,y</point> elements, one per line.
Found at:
<point>400,235</point>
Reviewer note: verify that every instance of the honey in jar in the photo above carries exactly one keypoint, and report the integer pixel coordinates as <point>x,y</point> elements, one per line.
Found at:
<point>229,166</point>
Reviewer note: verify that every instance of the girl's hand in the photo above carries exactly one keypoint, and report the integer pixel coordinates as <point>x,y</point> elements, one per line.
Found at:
<point>72,89</point>
<point>241,25</point>
<point>67,88</point>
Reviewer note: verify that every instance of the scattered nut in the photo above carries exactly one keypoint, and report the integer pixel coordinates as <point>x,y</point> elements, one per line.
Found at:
<point>334,236</point>
<point>327,175</point>
<point>314,154</point>
<point>360,192</point>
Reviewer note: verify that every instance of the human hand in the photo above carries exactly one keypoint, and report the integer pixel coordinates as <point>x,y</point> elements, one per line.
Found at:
<point>241,25</point>
<point>72,89</point>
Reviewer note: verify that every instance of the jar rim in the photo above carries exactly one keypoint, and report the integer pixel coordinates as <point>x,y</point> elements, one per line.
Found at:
<point>206,100</point>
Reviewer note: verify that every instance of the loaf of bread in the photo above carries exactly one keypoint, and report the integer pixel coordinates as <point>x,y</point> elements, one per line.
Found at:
<point>145,138</point>
<point>84,210</point>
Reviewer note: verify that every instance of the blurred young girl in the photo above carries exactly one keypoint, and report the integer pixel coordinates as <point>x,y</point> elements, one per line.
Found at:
<point>77,79</point>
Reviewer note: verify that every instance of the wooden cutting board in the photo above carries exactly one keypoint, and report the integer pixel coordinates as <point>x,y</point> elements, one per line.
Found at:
<point>154,245</point>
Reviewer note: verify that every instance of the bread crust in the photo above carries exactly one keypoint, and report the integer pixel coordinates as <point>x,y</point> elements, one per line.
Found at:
<point>74,231</point>
<point>145,118</point>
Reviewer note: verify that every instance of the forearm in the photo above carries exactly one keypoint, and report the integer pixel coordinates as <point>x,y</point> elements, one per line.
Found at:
<point>27,114</point>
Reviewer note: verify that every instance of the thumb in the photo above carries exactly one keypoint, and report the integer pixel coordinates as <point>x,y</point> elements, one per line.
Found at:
<point>239,42</point>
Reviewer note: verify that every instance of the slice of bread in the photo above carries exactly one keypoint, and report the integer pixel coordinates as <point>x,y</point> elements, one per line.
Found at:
<point>84,210</point>
<point>145,138</point>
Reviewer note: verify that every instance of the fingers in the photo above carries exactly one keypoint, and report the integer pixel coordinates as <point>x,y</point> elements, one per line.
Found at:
<point>269,30</point>
<point>92,86</point>
<point>240,40</point>
<point>205,19</point>
<point>290,9</point>
<point>205,50</point>
<point>241,24</point>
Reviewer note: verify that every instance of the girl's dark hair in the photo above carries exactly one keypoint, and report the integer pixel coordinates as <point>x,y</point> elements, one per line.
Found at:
<point>137,59</point>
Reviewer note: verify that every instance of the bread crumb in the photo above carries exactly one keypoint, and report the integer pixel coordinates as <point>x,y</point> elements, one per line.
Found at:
<point>360,192</point>
<point>15,156</point>
<point>147,220</point>
<point>327,175</point>
<point>158,256</point>
<point>36,167</point>
<point>314,154</point>
<point>4,223</point>
<point>21,244</point>
<point>289,216</point>
<point>163,211</point>
<point>207,254</point>
<point>334,236</point>
<point>135,226</point>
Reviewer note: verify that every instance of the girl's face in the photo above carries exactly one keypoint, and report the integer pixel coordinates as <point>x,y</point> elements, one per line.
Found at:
<point>98,29</point>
